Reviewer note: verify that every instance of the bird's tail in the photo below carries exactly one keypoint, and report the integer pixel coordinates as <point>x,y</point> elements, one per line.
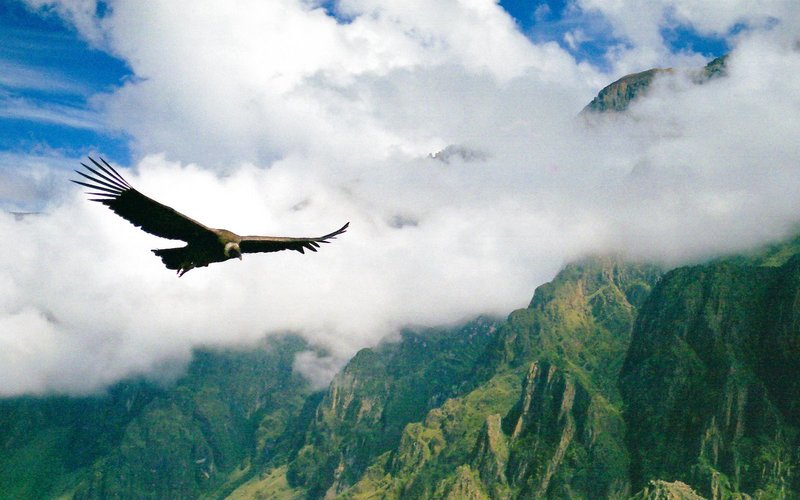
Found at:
<point>176,258</point>
<point>180,259</point>
<point>173,258</point>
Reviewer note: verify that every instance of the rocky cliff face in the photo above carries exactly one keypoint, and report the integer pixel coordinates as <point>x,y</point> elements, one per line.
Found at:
<point>581,320</point>
<point>706,381</point>
<point>370,402</point>
<point>564,441</point>
<point>556,442</point>
<point>539,419</point>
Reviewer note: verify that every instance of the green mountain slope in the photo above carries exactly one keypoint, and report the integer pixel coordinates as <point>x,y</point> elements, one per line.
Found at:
<point>710,379</point>
<point>49,443</point>
<point>368,404</point>
<point>140,441</point>
<point>614,380</point>
<point>539,420</point>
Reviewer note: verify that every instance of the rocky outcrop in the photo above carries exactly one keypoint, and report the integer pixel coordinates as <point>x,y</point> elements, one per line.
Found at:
<point>662,490</point>
<point>618,95</point>
<point>420,443</point>
<point>547,424</point>
<point>563,441</point>
<point>490,457</point>
<point>463,485</point>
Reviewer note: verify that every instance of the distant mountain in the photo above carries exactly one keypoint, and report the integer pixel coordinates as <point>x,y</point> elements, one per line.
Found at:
<point>619,380</point>
<point>618,95</point>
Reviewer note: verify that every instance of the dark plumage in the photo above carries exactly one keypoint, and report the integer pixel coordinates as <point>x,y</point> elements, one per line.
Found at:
<point>204,245</point>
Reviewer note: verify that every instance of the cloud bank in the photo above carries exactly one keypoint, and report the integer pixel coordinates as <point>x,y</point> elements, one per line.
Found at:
<point>275,118</point>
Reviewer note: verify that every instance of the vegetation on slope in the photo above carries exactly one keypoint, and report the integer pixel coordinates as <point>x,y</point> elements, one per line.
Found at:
<point>538,420</point>
<point>709,381</point>
<point>144,441</point>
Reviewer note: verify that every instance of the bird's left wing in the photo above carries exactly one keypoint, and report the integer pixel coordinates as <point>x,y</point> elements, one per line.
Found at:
<point>254,244</point>
<point>112,190</point>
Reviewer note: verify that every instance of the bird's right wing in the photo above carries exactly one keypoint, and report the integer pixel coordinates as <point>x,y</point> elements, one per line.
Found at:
<point>254,244</point>
<point>112,190</point>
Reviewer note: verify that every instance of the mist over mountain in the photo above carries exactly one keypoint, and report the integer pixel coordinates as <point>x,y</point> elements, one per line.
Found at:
<point>621,378</point>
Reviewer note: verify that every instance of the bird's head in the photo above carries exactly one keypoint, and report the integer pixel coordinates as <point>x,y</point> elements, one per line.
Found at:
<point>232,250</point>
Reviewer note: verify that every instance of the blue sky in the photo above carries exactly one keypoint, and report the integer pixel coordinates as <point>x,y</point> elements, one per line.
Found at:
<point>552,19</point>
<point>48,74</point>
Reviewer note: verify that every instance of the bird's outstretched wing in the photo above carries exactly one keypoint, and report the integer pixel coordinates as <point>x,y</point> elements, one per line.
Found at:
<point>112,190</point>
<point>253,244</point>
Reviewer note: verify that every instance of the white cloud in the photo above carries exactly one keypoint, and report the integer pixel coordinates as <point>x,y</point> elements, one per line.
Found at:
<point>29,182</point>
<point>575,38</point>
<point>19,77</point>
<point>319,370</point>
<point>20,108</point>
<point>273,118</point>
<point>639,22</point>
<point>80,13</point>
<point>275,77</point>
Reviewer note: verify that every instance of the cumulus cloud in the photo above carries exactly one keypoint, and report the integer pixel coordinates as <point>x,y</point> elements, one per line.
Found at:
<point>279,77</point>
<point>26,180</point>
<point>274,118</point>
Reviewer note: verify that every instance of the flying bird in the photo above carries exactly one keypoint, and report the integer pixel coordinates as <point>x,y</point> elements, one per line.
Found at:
<point>204,245</point>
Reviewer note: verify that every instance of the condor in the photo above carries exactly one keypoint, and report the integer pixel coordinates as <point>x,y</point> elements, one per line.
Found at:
<point>204,245</point>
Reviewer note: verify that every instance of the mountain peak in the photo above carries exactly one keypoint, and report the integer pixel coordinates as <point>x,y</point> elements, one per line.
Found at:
<point>617,96</point>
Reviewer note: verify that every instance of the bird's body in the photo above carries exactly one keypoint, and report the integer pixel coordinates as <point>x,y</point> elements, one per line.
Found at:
<point>204,245</point>
<point>201,252</point>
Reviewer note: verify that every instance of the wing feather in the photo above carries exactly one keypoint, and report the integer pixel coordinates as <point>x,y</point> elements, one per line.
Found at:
<point>112,190</point>
<point>254,244</point>
<point>106,190</point>
<point>110,171</point>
